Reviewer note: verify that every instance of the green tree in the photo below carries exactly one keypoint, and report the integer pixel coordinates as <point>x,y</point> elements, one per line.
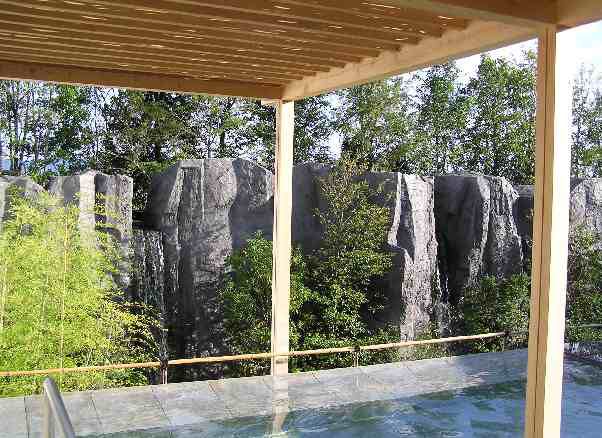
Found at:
<point>146,132</point>
<point>44,128</point>
<point>334,291</point>
<point>441,117</point>
<point>500,137</point>
<point>247,298</point>
<point>584,287</point>
<point>346,269</point>
<point>496,305</point>
<point>58,304</point>
<point>587,126</point>
<point>374,124</point>
<point>313,128</point>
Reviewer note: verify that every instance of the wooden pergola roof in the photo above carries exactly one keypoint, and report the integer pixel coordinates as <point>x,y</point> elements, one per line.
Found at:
<point>270,49</point>
<point>284,50</point>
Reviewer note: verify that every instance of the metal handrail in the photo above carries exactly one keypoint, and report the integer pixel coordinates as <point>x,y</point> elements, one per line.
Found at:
<point>55,412</point>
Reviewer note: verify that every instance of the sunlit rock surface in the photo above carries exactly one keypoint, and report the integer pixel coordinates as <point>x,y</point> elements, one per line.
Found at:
<point>413,293</point>
<point>476,230</point>
<point>205,209</point>
<point>585,208</point>
<point>586,205</point>
<point>104,202</point>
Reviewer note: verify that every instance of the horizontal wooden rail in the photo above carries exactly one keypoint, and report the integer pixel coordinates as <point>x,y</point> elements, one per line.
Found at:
<point>260,356</point>
<point>254,356</point>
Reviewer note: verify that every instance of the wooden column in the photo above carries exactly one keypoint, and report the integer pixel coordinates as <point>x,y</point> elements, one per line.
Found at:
<point>550,238</point>
<point>283,200</point>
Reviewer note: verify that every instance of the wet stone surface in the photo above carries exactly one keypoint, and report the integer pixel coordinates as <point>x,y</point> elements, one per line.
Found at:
<point>468,396</point>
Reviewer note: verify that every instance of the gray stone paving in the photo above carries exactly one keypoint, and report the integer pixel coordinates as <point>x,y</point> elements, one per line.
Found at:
<point>187,409</point>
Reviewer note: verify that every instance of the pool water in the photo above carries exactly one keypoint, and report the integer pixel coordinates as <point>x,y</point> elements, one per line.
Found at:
<point>482,411</point>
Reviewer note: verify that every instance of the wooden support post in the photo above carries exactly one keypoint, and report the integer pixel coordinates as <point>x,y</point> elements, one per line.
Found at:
<point>550,238</point>
<point>283,202</point>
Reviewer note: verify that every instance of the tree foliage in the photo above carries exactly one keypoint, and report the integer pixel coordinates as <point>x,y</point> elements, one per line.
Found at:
<point>496,305</point>
<point>584,287</point>
<point>333,290</point>
<point>441,117</point>
<point>587,126</point>
<point>374,124</point>
<point>58,305</point>
<point>500,136</point>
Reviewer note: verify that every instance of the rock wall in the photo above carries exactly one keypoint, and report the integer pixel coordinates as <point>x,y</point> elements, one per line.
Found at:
<point>413,284</point>
<point>103,201</point>
<point>204,209</point>
<point>585,208</point>
<point>445,233</point>
<point>20,185</point>
<point>477,231</point>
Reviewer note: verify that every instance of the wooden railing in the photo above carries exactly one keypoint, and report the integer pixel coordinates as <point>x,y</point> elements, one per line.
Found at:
<point>258,356</point>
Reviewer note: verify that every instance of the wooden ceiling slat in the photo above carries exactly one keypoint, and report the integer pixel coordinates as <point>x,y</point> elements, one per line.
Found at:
<point>79,31</point>
<point>478,37</point>
<point>51,59</point>
<point>190,35</point>
<point>181,24</point>
<point>25,49</point>
<point>263,13</point>
<point>160,52</point>
<point>379,9</point>
<point>68,74</point>
<point>354,13</point>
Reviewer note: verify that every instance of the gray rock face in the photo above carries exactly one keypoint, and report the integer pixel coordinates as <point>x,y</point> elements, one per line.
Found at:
<point>585,208</point>
<point>411,239</point>
<point>148,282</point>
<point>205,209</point>
<point>306,228</point>
<point>586,205</point>
<point>524,220</point>
<point>476,230</point>
<point>15,185</point>
<point>113,194</point>
<point>413,284</point>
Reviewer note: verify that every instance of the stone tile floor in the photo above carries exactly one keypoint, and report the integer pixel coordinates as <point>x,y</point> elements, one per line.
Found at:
<point>177,409</point>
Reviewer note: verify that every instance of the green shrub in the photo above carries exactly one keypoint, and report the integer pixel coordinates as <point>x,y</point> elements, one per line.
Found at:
<point>333,291</point>
<point>496,305</point>
<point>58,304</point>
<point>247,302</point>
<point>584,287</point>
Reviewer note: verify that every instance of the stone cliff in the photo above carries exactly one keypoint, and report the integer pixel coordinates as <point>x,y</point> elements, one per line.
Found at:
<point>445,233</point>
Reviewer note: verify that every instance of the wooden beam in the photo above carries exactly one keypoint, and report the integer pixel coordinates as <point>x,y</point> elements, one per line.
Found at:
<point>573,13</point>
<point>136,81</point>
<point>283,200</point>
<point>190,41</point>
<point>170,24</point>
<point>478,37</point>
<point>386,14</point>
<point>39,48</point>
<point>550,239</point>
<point>256,14</point>
<point>136,68</point>
<point>16,33</point>
<point>354,14</point>
<point>529,13</point>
